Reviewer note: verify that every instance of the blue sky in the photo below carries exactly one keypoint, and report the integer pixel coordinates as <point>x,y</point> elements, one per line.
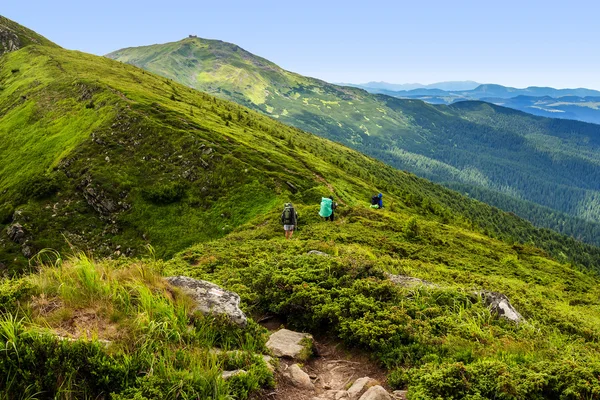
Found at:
<point>515,43</point>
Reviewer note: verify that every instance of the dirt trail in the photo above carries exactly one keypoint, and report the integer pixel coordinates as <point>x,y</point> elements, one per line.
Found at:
<point>332,368</point>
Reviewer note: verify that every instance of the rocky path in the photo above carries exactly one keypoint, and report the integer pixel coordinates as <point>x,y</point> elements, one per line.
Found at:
<point>322,370</point>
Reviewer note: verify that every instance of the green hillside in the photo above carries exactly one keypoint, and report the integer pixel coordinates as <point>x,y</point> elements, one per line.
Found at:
<point>105,157</point>
<point>545,161</point>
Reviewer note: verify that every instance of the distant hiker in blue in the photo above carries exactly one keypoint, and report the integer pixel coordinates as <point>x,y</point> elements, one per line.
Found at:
<point>377,201</point>
<point>289,219</point>
<point>327,208</point>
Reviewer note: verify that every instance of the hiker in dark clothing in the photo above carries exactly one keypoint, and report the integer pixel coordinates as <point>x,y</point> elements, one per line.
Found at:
<point>333,207</point>
<point>289,219</point>
<point>377,201</point>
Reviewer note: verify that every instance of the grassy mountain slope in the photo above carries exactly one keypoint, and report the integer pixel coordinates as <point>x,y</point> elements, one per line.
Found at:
<point>111,158</point>
<point>14,36</point>
<point>532,158</point>
<point>104,156</point>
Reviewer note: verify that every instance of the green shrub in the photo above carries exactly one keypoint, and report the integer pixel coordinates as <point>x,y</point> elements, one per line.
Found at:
<point>162,194</point>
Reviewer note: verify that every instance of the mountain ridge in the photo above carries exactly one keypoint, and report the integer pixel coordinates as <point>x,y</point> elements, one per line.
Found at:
<point>408,134</point>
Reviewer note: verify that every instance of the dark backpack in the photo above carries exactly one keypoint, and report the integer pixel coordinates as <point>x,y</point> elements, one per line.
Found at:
<point>374,200</point>
<point>288,215</point>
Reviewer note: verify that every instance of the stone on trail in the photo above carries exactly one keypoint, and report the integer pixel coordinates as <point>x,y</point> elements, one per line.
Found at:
<point>400,394</point>
<point>376,393</point>
<point>299,378</point>
<point>333,395</point>
<point>360,386</point>
<point>211,299</point>
<point>290,344</point>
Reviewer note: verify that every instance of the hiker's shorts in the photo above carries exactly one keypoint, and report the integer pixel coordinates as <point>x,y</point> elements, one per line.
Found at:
<point>288,227</point>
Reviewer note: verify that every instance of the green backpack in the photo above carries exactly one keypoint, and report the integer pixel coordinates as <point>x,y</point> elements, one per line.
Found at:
<point>288,215</point>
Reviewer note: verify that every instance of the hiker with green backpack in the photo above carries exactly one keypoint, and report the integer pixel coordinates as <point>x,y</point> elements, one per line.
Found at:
<point>327,208</point>
<point>289,219</point>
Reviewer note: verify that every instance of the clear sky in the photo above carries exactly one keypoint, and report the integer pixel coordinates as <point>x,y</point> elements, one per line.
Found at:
<point>515,43</point>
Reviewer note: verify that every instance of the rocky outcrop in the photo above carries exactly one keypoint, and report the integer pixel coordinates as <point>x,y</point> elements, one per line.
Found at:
<point>100,201</point>
<point>16,233</point>
<point>9,41</point>
<point>211,299</point>
<point>290,344</point>
<point>500,305</point>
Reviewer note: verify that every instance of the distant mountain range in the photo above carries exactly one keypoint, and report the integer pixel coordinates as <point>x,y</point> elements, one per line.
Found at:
<point>579,104</point>
<point>451,85</point>
<point>550,162</point>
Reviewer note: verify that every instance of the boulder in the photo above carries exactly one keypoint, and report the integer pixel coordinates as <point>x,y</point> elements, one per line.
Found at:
<point>376,393</point>
<point>228,374</point>
<point>211,299</point>
<point>16,233</point>
<point>409,281</point>
<point>360,386</point>
<point>317,253</point>
<point>299,378</point>
<point>500,305</point>
<point>290,344</point>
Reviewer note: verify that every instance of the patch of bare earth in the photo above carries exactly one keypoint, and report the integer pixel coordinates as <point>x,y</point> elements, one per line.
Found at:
<point>75,323</point>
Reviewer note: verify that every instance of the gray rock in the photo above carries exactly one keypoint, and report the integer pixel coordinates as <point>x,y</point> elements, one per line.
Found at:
<point>376,393</point>
<point>500,305</point>
<point>290,344</point>
<point>9,41</point>
<point>299,378</point>
<point>228,374</point>
<point>16,233</point>
<point>409,281</point>
<point>360,386</point>
<point>211,299</point>
<point>317,253</point>
<point>269,361</point>
<point>27,251</point>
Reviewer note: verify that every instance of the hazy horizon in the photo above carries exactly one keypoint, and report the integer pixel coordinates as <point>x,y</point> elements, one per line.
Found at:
<point>515,43</point>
